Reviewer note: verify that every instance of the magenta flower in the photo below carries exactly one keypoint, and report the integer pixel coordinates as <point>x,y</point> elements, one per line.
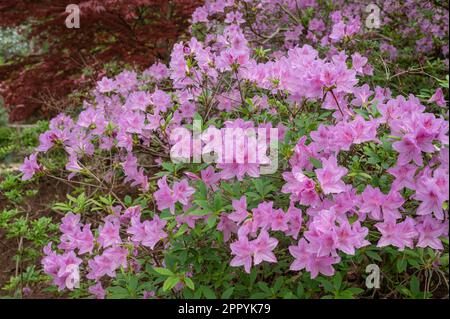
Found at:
<point>107,263</point>
<point>240,210</point>
<point>301,255</point>
<point>148,233</point>
<point>330,176</point>
<point>279,220</point>
<point>322,265</point>
<point>182,192</point>
<point>167,198</point>
<point>262,248</point>
<point>29,167</point>
<point>430,230</point>
<point>64,269</point>
<point>106,85</point>
<point>226,226</point>
<point>399,235</point>
<point>97,290</point>
<point>408,150</point>
<point>438,98</point>
<point>109,234</point>
<point>404,176</point>
<point>243,251</point>
<point>431,197</point>
<point>295,221</point>
<point>381,206</point>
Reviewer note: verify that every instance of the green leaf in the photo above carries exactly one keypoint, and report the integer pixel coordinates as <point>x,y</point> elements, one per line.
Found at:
<point>189,283</point>
<point>326,284</point>
<point>278,283</point>
<point>203,204</point>
<point>401,264</point>
<point>208,293</point>
<point>337,281</point>
<point>163,271</point>
<point>227,293</point>
<point>199,212</point>
<point>373,255</point>
<point>415,285</point>
<point>300,290</point>
<point>211,222</point>
<point>316,163</point>
<point>181,231</point>
<point>263,286</point>
<point>170,283</point>
<point>355,291</point>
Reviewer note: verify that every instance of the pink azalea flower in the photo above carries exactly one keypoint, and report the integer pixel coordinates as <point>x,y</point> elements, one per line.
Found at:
<point>163,196</point>
<point>295,221</point>
<point>408,150</point>
<point>109,235</point>
<point>438,98</point>
<point>243,251</point>
<point>148,233</point>
<point>107,263</point>
<point>64,269</point>
<point>97,290</point>
<point>182,192</point>
<point>381,206</point>
<point>404,176</point>
<point>330,176</point>
<point>166,197</point>
<point>240,210</point>
<point>85,240</point>
<point>29,167</point>
<point>301,255</point>
<point>430,230</point>
<point>431,197</point>
<point>262,248</point>
<point>106,85</point>
<point>226,226</point>
<point>279,220</point>
<point>399,235</point>
<point>322,265</point>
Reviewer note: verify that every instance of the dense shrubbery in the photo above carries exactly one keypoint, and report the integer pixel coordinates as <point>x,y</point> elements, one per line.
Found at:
<point>362,169</point>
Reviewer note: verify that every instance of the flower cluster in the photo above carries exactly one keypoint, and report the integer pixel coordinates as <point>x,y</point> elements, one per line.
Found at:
<point>102,255</point>
<point>335,189</point>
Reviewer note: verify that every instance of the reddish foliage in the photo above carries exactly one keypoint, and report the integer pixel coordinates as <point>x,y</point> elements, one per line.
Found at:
<point>135,32</point>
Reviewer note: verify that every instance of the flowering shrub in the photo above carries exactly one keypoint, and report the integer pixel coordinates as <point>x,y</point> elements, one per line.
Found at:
<point>362,169</point>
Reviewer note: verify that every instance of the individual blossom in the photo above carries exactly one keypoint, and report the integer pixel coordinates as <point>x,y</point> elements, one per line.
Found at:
<point>107,263</point>
<point>97,290</point>
<point>438,98</point>
<point>147,233</point>
<point>226,226</point>
<point>330,175</point>
<point>64,269</point>
<point>167,198</point>
<point>430,229</point>
<point>263,247</point>
<point>29,167</point>
<point>109,234</point>
<point>240,212</point>
<point>400,235</point>
<point>243,251</point>
<point>431,197</point>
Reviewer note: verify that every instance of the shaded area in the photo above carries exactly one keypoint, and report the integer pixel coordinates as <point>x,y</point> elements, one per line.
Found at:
<point>117,33</point>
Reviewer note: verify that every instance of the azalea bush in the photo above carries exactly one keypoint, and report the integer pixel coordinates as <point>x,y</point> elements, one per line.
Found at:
<point>177,196</point>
